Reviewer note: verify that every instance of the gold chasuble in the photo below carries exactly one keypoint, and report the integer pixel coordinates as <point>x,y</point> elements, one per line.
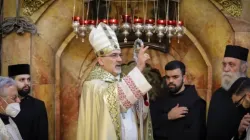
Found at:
<point>104,98</point>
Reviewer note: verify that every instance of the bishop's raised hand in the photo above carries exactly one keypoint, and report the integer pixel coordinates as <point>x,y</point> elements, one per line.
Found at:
<point>142,58</point>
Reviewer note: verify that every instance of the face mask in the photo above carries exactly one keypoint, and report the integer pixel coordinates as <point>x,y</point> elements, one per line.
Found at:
<point>12,109</point>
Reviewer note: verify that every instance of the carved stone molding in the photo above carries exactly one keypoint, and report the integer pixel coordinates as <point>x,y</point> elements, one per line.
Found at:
<point>232,7</point>
<point>31,6</point>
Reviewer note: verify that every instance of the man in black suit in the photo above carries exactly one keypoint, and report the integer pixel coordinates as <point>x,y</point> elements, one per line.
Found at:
<point>32,121</point>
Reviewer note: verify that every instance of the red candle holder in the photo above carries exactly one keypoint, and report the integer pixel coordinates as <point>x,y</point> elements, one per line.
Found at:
<point>174,22</point>
<point>126,18</point>
<point>180,23</point>
<point>76,18</point>
<point>161,22</point>
<point>83,22</point>
<point>138,20</point>
<point>104,21</point>
<point>91,22</point>
<point>113,21</point>
<point>150,21</point>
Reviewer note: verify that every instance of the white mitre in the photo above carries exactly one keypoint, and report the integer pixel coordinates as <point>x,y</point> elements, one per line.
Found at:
<point>103,39</point>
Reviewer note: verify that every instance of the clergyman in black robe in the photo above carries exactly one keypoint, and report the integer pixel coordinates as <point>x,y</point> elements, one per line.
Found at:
<point>168,122</point>
<point>32,121</point>
<point>223,115</point>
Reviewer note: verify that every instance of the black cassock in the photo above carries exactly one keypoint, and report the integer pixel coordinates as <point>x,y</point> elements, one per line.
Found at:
<point>32,121</point>
<point>191,127</point>
<point>223,116</point>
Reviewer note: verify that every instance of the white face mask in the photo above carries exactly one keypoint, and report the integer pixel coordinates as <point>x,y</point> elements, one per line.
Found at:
<point>12,109</point>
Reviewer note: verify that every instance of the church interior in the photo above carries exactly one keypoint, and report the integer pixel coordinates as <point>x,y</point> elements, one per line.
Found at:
<point>52,37</point>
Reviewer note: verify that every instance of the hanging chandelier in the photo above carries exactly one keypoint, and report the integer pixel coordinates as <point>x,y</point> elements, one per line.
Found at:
<point>129,24</point>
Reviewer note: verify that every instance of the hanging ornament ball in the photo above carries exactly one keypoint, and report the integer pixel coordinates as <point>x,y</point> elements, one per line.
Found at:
<point>160,35</point>
<point>114,27</point>
<point>125,33</point>
<point>125,26</point>
<point>171,30</point>
<point>82,34</point>
<point>75,24</point>
<point>179,28</point>
<point>91,25</point>
<point>149,25</point>
<point>82,28</point>
<point>138,33</point>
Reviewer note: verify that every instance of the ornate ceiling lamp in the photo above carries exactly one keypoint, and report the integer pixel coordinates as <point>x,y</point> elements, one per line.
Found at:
<point>174,27</point>
<point>160,28</point>
<point>76,20</point>
<point>179,28</point>
<point>91,24</point>
<point>170,29</point>
<point>148,24</point>
<point>159,23</point>
<point>138,26</point>
<point>113,23</point>
<point>126,19</point>
<point>83,24</point>
<point>149,28</point>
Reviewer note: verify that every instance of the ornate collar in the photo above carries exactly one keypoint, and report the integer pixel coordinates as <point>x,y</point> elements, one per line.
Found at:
<point>100,73</point>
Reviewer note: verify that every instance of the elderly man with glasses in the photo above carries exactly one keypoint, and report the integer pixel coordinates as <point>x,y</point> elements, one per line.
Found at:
<point>9,107</point>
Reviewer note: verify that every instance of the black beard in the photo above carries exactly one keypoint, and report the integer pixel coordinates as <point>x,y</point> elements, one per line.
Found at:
<point>174,90</point>
<point>23,92</point>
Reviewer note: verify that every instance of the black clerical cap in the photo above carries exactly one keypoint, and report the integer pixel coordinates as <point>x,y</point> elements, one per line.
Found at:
<point>236,52</point>
<point>18,69</point>
<point>236,85</point>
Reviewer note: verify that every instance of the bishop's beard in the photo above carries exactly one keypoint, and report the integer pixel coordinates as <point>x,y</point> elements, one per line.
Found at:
<point>228,78</point>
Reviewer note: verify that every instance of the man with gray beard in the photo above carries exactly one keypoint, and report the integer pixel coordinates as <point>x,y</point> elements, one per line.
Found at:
<point>223,116</point>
